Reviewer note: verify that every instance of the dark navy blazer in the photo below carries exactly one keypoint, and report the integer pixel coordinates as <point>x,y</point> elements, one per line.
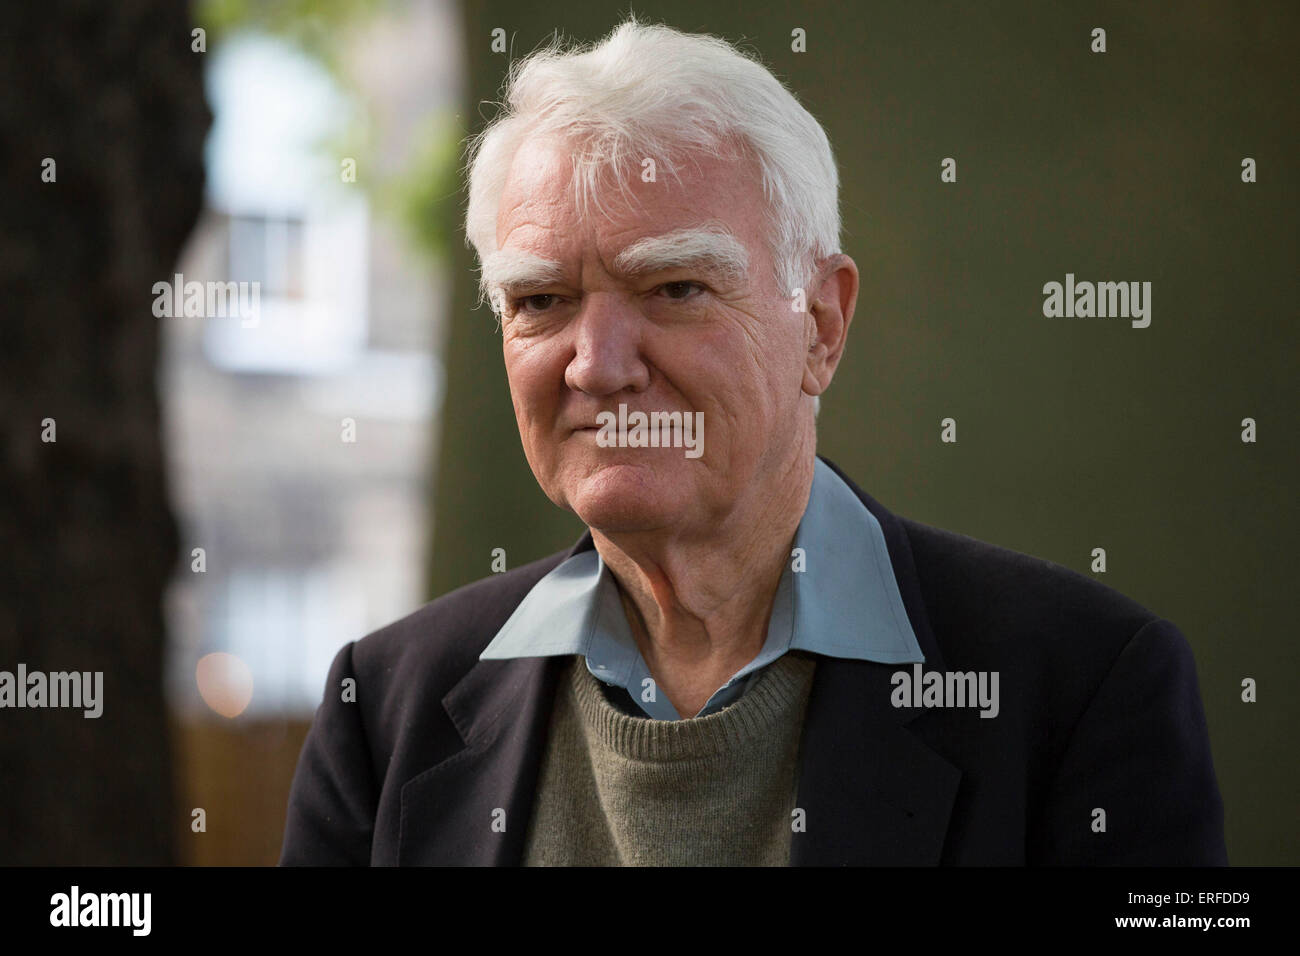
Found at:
<point>1099,709</point>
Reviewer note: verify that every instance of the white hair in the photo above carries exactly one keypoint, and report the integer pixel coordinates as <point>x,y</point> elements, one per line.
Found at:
<point>651,90</point>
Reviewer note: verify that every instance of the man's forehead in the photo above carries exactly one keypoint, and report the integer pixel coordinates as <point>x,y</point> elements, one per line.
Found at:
<point>550,204</point>
<point>535,186</point>
<point>549,221</point>
<point>535,240</point>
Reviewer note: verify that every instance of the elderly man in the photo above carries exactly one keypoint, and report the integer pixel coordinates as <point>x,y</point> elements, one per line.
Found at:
<point>747,660</point>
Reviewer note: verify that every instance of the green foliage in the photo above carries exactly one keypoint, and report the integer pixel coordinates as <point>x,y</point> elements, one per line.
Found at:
<point>425,195</point>
<point>420,193</point>
<point>314,26</point>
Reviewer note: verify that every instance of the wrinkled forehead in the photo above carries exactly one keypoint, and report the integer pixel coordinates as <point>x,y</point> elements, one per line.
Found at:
<point>558,198</point>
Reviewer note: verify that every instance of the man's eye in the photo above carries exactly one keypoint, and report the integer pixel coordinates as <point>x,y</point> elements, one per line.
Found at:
<point>681,289</point>
<point>534,303</point>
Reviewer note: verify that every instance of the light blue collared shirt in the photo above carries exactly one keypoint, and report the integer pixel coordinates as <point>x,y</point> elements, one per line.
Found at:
<point>837,597</point>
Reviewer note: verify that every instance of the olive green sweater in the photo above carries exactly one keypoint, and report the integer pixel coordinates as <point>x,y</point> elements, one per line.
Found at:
<point>707,791</point>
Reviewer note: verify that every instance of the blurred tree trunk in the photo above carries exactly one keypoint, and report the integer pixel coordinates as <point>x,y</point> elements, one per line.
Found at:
<point>112,93</point>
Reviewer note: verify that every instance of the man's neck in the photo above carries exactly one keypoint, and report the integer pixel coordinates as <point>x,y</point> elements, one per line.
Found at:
<point>699,610</point>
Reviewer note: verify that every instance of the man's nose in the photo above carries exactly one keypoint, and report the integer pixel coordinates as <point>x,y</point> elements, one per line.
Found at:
<point>607,334</point>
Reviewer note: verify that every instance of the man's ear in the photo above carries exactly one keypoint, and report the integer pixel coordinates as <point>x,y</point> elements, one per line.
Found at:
<point>831,301</point>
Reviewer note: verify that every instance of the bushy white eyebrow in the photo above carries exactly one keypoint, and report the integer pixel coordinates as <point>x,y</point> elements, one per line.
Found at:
<point>710,249</point>
<point>509,269</point>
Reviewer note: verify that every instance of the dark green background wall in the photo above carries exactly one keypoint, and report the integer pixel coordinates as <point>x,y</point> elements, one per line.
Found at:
<point>1072,433</point>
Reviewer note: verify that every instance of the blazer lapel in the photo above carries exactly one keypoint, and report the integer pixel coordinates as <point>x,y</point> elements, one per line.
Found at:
<point>473,808</point>
<point>873,793</point>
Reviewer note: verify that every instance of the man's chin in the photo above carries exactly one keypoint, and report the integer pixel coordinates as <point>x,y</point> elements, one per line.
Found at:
<point>623,498</point>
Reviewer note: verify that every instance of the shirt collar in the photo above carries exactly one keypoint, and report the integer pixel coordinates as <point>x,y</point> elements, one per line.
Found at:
<point>847,602</point>
<point>837,597</point>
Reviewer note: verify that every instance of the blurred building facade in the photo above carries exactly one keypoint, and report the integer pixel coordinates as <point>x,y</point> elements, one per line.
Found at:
<point>300,432</point>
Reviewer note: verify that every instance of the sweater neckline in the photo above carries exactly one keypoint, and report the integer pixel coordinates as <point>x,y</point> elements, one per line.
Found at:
<point>782,687</point>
